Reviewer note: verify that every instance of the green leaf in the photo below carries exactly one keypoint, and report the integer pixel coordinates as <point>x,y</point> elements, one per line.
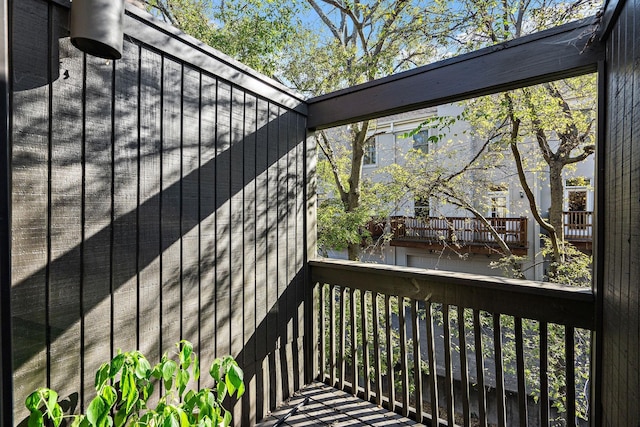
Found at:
<point>147,391</point>
<point>110,395</point>
<point>52,399</point>
<point>32,401</point>
<point>240,391</point>
<point>222,391</point>
<point>184,419</point>
<point>196,368</point>
<point>143,368</point>
<point>190,396</point>
<point>131,400</point>
<point>116,365</point>
<point>157,371</point>
<point>182,381</point>
<point>127,385</point>
<point>121,417</point>
<point>97,412</point>
<point>234,379</point>
<point>214,371</point>
<point>185,353</point>
<point>168,369</point>
<point>226,421</point>
<point>171,421</point>
<point>78,420</point>
<point>35,419</point>
<point>102,375</point>
<point>56,414</point>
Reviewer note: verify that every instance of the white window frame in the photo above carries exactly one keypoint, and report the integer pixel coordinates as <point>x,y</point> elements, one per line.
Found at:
<point>493,208</point>
<point>370,157</point>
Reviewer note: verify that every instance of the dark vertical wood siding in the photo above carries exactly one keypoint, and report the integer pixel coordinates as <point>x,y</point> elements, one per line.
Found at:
<point>155,198</point>
<point>620,358</point>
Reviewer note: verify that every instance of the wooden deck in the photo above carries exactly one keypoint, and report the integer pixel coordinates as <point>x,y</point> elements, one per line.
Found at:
<point>321,405</point>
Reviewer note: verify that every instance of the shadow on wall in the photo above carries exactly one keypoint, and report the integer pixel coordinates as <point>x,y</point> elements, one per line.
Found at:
<point>152,202</point>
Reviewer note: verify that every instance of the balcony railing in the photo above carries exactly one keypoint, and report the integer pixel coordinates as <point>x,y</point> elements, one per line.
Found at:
<point>461,231</point>
<point>578,226</point>
<point>494,350</point>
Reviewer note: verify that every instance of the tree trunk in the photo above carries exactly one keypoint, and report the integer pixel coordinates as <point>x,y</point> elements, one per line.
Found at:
<point>351,199</point>
<point>556,216</point>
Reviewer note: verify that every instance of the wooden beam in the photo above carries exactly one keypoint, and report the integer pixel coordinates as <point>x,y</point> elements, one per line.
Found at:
<point>6,370</point>
<point>549,302</point>
<point>545,56</point>
<point>609,17</point>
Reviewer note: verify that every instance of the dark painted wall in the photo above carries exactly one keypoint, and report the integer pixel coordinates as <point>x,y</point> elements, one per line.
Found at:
<point>155,198</point>
<point>620,290</point>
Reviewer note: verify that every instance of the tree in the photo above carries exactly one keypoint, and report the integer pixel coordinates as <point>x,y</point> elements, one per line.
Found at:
<point>546,128</point>
<point>255,32</point>
<point>559,116</point>
<point>454,170</point>
<point>355,42</point>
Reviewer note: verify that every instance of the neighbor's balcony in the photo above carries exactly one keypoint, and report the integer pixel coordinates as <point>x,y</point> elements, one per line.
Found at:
<point>578,226</point>
<point>470,234</point>
<point>458,348</point>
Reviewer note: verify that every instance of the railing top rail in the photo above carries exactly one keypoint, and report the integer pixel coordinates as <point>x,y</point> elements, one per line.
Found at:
<point>547,302</point>
<point>461,218</point>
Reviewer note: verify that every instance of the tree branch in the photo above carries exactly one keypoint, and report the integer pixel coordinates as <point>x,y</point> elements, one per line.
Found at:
<point>325,19</point>
<point>323,143</point>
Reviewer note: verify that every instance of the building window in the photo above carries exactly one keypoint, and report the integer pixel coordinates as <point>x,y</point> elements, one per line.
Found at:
<point>370,153</point>
<point>578,206</point>
<point>421,141</point>
<point>577,200</point>
<point>498,199</point>
<point>421,207</point>
<point>578,195</point>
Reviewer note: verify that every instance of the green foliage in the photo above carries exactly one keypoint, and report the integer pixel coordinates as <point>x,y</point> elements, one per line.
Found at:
<point>125,385</point>
<point>338,228</point>
<point>574,268</point>
<point>255,32</point>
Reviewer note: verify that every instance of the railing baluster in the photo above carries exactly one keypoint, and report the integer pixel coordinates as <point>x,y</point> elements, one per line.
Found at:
<point>332,335</point>
<point>376,348</point>
<point>390,374</point>
<point>366,363</point>
<point>446,321</point>
<point>323,331</point>
<point>522,392</point>
<point>402,325</point>
<point>570,375</point>
<point>482,393</point>
<point>544,375</point>
<point>343,333</point>
<point>497,346</point>
<point>433,373</point>
<point>354,343</point>
<point>464,369</point>
<point>417,362</point>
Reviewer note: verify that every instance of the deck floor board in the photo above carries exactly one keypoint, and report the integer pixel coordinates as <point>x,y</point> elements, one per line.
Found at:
<point>318,404</point>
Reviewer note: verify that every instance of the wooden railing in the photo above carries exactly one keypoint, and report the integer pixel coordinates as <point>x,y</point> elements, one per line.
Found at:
<point>489,347</point>
<point>578,225</point>
<point>462,230</point>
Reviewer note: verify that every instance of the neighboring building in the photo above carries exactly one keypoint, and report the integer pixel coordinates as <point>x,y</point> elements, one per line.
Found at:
<point>429,234</point>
